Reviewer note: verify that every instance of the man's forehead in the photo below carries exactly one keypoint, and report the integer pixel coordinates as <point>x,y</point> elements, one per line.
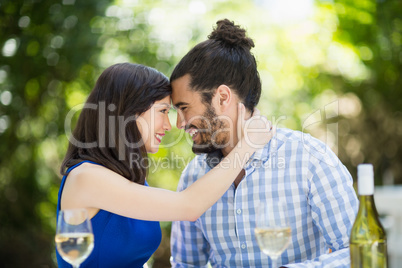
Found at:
<point>181,91</point>
<point>181,84</point>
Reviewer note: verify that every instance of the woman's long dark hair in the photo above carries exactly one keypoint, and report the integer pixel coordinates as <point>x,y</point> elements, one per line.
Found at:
<point>106,130</point>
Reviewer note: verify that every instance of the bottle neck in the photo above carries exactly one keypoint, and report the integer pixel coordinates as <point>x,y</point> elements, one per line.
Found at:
<point>368,219</point>
<point>367,205</point>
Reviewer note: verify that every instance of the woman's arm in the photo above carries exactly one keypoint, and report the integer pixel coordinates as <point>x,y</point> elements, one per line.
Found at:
<point>94,186</point>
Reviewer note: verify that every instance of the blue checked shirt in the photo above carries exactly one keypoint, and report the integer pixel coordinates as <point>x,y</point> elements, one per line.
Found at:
<point>294,167</point>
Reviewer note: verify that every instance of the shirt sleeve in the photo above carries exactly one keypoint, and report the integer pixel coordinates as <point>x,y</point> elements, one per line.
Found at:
<point>334,205</point>
<point>189,248</point>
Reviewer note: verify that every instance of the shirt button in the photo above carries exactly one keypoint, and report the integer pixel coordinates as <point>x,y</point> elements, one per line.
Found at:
<point>238,211</point>
<point>243,246</point>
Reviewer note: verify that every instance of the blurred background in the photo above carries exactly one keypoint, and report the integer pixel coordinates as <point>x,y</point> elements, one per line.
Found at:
<point>328,67</point>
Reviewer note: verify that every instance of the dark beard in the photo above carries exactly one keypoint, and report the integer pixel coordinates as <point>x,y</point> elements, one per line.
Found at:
<point>211,139</point>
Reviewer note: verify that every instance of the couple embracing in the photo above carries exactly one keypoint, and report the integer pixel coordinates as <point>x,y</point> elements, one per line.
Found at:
<point>215,89</point>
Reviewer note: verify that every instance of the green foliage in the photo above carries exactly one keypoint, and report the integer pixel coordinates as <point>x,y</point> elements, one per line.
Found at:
<point>374,30</point>
<point>46,45</point>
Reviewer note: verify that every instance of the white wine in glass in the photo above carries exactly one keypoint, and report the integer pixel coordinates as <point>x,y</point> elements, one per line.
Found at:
<point>74,238</point>
<point>272,230</point>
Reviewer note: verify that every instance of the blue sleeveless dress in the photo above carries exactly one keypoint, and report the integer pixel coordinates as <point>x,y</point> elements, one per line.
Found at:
<point>119,241</point>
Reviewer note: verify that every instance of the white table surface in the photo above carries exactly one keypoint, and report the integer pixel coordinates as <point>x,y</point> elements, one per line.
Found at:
<point>388,201</point>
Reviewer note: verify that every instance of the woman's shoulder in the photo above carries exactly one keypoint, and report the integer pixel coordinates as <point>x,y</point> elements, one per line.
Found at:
<point>88,182</point>
<point>87,175</point>
<point>88,170</point>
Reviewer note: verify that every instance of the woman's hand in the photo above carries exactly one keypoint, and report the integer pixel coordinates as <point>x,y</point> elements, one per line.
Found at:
<point>256,131</point>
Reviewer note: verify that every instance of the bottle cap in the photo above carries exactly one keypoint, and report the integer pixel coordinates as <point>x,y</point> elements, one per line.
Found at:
<point>365,179</point>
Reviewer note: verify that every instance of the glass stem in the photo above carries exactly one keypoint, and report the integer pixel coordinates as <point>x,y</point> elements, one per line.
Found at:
<point>274,262</point>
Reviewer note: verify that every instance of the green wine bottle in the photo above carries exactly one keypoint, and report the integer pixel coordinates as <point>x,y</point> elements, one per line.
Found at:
<point>368,241</point>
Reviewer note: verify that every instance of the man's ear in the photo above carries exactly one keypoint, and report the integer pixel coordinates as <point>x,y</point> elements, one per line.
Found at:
<point>223,96</point>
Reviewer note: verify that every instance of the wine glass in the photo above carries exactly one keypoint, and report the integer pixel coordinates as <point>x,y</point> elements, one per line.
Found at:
<point>273,230</point>
<point>74,238</point>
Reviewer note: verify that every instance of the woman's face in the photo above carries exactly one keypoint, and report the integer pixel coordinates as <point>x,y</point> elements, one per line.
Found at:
<point>153,123</point>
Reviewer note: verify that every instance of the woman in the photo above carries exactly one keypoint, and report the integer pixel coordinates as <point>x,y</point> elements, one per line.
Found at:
<point>126,117</point>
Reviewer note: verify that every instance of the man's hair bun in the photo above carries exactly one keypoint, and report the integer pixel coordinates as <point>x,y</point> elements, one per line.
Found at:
<point>230,34</point>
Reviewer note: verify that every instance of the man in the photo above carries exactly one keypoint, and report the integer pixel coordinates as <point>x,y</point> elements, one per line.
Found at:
<point>294,167</point>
